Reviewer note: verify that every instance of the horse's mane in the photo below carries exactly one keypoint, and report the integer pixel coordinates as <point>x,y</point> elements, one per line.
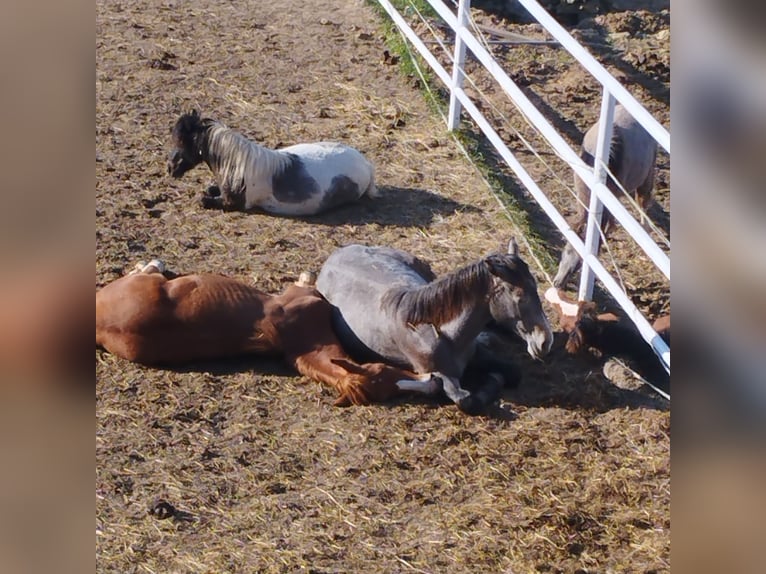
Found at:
<point>444,299</point>
<point>233,155</point>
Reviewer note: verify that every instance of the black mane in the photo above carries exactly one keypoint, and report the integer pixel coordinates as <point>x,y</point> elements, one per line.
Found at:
<point>443,299</point>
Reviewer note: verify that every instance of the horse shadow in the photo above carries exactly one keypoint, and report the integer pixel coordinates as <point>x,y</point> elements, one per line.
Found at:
<point>275,367</point>
<point>653,82</point>
<point>513,191</point>
<point>571,382</point>
<point>576,382</point>
<point>257,365</point>
<point>394,206</point>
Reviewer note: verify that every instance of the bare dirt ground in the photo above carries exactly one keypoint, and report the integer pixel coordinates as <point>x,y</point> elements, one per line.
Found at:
<point>570,473</point>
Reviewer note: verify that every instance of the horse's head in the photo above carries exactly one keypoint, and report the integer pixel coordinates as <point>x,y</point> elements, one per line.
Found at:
<point>570,262</point>
<point>515,304</point>
<point>186,152</point>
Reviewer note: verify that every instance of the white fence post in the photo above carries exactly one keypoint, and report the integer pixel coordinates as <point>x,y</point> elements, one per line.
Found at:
<point>463,11</point>
<point>595,207</point>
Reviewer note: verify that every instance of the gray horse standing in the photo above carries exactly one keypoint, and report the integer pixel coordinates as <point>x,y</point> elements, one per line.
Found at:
<point>632,157</point>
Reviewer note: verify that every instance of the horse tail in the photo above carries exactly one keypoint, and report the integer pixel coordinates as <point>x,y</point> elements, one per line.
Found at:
<point>616,153</point>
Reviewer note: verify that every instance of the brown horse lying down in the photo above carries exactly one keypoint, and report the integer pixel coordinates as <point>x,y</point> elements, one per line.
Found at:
<point>147,318</point>
<point>610,334</point>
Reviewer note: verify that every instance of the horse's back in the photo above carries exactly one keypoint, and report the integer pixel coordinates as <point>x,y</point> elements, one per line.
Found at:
<point>369,269</point>
<point>342,172</point>
<point>198,298</point>
<point>632,151</point>
<point>322,151</point>
<point>355,279</point>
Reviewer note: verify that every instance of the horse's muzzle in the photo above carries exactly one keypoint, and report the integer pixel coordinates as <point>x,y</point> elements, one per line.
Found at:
<point>177,164</point>
<point>539,342</point>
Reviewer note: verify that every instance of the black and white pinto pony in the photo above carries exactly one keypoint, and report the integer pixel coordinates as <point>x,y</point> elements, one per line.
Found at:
<point>390,305</point>
<point>303,179</point>
<point>632,157</point>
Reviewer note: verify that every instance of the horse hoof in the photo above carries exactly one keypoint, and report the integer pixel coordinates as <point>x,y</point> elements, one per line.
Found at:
<point>154,266</point>
<point>213,191</point>
<point>307,279</point>
<point>471,405</point>
<point>208,202</point>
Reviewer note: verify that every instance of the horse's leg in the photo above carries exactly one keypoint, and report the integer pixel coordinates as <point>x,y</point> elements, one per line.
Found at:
<point>318,365</point>
<point>212,198</point>
<point>359,384</point>
<point>645,197</point>
<point>213,191</point>
<point>154,266</point>
<point>428,352</point>
<point>472,403</point>
<point>210,202</point>
<point>485,363</point>
<point>570,260</point>
<point>311,346</point>
<point>489,392</point>
<point>378,382</point>
<point>453,389</point>
<point>424,386</point>
<point>228,199</point>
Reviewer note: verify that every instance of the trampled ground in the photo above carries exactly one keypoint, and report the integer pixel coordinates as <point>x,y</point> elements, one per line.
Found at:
<point>569,472</point>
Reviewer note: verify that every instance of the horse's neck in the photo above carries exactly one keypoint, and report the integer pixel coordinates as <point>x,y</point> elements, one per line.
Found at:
<point>466,326</point>
<point>454,304</point>
<point>234,158</point>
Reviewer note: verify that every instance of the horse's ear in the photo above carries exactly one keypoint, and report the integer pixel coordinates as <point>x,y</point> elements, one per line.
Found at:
<point>513,247</point>
<point>501,266</point>
<point>349,366</point>
<point>194,114</point>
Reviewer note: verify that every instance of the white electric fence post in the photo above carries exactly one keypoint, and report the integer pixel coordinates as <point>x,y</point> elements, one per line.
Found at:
<point>463,11</point>
<point>595,207</point>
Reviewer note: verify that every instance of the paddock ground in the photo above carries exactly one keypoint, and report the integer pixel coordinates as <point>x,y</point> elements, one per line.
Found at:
<point>571,473</point>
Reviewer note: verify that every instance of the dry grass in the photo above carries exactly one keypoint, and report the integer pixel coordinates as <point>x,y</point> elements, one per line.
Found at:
<point>569,473</point>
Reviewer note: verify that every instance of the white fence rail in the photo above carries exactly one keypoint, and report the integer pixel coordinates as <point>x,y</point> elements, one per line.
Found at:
<point>595,177</point>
